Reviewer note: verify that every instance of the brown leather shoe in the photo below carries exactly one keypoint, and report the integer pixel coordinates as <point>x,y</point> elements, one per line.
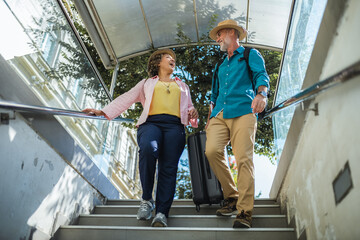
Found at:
<point>229,208</point>
<point>243,220</point>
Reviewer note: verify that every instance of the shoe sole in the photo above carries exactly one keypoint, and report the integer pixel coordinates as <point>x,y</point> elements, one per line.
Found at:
<point>240,225</point>
<point>226,214</point>
<point>158,224</point>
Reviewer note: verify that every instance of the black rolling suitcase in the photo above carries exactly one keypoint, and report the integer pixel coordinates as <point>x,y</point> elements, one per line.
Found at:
<point>206,188</point>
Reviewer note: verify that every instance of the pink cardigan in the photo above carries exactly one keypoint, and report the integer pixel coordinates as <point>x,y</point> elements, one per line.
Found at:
<point>143,92</point>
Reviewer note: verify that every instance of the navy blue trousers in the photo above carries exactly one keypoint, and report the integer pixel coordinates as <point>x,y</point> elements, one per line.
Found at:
<point>161,139</point>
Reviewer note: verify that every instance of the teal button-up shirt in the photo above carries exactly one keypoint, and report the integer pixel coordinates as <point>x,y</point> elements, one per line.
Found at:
<point>232,90</point>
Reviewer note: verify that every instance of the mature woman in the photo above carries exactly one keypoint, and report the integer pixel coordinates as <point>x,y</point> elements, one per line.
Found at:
<point>167,108</point>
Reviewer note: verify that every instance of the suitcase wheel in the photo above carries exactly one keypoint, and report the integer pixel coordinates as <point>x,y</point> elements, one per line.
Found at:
<point>198,207</point>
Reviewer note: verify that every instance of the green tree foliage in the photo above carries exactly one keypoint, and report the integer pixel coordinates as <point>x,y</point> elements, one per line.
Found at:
<point>258,195</point>
<point>195,67</point>
<point>264,142</point>
<point>183,183</point>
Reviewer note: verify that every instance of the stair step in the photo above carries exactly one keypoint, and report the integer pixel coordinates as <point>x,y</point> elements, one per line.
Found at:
<point>184,209</point>
<point>259,221</point>
<point>117,220</point>
<point>173,233</point>
<point>260,201</point>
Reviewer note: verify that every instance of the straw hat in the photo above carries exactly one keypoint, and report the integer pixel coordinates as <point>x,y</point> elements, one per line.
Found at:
<point>228,24</point>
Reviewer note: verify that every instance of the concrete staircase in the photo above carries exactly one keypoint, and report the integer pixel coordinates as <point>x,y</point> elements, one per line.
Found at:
<point>117,220</point>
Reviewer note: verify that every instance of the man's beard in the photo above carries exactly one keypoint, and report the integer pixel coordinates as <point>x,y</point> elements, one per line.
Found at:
<point>225,44</point>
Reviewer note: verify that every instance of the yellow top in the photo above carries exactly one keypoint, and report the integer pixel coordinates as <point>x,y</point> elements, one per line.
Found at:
<point>166,99</point>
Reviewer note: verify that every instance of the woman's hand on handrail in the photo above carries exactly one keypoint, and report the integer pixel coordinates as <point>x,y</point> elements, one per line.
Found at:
<point>93,112</point>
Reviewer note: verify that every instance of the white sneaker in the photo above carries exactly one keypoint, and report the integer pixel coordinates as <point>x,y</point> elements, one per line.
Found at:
<point>145,210</point>
<point>159,220</point>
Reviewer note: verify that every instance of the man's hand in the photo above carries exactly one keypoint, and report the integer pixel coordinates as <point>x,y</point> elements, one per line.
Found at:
<point>258,104</point>
<point>193,113</point>
<point>93,112</point>
<point>211,107</point>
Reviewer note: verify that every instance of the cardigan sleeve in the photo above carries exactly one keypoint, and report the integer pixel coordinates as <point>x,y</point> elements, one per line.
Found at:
<point>193,121</point>
<point>190,104</point>
<point>124,101</point>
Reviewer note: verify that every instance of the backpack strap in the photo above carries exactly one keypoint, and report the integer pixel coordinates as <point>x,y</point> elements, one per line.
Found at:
<point>215,82</point>
<point>246,58</point>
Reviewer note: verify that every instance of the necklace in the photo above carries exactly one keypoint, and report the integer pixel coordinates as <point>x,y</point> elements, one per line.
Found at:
<point>167,86</point>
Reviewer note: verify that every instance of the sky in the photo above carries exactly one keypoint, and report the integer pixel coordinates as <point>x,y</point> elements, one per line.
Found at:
<point>264,175</point>
<point>15,35</point>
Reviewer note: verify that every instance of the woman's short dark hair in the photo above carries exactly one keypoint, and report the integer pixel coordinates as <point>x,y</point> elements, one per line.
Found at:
<point>153,65</point>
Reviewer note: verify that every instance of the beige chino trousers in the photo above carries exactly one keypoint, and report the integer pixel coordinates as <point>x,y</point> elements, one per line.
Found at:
<point>240,131</point>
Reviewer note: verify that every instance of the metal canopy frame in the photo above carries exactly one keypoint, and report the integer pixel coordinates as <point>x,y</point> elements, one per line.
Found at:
<point>108,54</point>
<point>146,24</point>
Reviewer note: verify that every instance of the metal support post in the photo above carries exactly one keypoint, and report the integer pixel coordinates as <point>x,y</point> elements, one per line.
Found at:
<point>113,79</point>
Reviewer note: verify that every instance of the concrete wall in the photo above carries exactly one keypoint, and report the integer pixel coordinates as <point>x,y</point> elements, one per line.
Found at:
<point>324,143</point>
<point>13,89</point>
<point>39,187</point>
<point>39,190</point>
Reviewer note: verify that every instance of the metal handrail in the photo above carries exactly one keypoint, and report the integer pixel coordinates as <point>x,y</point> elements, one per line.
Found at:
<point>55,111</point>
<point>310,92</point>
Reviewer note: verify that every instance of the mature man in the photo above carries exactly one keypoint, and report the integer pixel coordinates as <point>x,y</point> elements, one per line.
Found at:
<point>235,101</point>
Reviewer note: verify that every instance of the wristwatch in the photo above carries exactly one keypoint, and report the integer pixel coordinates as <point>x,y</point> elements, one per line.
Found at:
<point>263,93</point>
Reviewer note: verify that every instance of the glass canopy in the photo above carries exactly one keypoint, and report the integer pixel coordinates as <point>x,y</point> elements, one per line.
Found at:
<point>122,29</point>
